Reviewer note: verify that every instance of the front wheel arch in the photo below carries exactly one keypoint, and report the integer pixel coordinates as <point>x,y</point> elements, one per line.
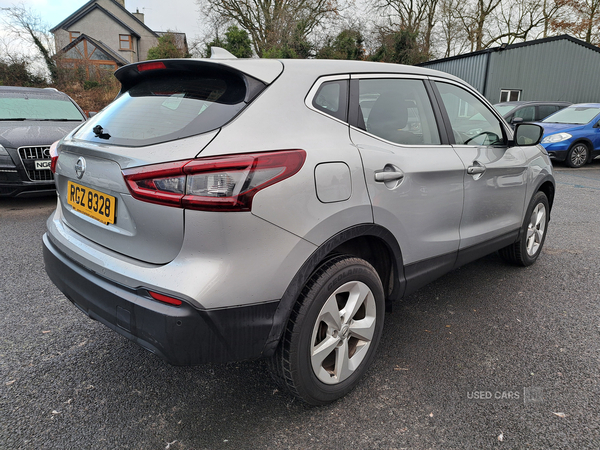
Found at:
<point>533,233</point>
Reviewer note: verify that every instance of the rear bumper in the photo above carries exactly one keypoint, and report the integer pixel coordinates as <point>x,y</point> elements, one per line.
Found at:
<point>180,335</point>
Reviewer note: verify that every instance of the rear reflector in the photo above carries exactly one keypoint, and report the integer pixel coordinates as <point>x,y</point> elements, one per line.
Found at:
<point>225,183</point>
<point>165,299</point>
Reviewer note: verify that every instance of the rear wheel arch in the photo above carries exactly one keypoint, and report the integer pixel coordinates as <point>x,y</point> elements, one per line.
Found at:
<point>369,242</point>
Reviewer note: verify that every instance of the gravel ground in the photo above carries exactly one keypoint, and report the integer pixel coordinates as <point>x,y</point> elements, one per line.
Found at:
<point>527,338</point>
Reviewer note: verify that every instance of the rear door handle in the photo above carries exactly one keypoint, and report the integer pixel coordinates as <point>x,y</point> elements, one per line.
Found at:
<point>388,176</point>
<point>391,176</point>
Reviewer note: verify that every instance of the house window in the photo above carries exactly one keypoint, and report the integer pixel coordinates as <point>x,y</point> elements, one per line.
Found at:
<point>510,95</point>
<point>73,35</point>
<point>125,42</point>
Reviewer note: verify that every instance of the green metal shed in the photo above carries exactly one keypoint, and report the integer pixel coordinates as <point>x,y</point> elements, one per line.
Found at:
<point>560,68</point>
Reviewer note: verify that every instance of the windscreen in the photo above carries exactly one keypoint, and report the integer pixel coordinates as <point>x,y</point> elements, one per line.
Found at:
<point>168,105</point>
<point>576,115</point>
<point>28,106</point>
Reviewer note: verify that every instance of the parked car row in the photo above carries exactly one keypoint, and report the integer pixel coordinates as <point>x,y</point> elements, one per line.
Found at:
<point>571,132</point>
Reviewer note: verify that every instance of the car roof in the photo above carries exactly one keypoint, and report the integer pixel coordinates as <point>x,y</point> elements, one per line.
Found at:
<point>267,70</point>
<point>533,102</point>
<point>585,105</point>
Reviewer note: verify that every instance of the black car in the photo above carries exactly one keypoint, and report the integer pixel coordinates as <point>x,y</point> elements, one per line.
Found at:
<point>528,111</point>
<point>31,119</point>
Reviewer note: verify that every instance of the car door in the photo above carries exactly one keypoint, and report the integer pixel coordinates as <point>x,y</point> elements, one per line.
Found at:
<point>495,179</point>
<point>414,178</point>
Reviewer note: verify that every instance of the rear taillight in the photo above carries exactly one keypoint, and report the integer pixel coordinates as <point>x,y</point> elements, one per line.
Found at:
<point>53,156</point>
<point>224,183</point>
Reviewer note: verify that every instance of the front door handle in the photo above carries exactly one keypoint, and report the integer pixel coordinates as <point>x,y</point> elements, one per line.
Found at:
<point>475,170</point>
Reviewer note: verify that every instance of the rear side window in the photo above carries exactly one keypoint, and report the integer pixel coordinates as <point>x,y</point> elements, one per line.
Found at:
<point>397,110</point>
<point>168,105</point>
<point>332,99</point>
<point>546,110</point>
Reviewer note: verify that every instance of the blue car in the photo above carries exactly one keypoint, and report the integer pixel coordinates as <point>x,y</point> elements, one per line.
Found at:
<point>572,134</point>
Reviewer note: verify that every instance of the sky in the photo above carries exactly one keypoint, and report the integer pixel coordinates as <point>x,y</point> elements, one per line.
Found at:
<point>160,15</point>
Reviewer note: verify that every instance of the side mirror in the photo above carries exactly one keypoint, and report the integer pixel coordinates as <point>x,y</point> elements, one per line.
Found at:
<point>528,134</point>
<point>516,120</point>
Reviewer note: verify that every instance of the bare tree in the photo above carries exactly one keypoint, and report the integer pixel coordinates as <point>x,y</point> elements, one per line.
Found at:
<point>21,22</point>
<point>452,34</point>
<point>271,23</point>
<point>582,20</point>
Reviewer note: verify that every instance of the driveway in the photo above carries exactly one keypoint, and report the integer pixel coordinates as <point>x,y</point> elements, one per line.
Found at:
<point>488,356</point>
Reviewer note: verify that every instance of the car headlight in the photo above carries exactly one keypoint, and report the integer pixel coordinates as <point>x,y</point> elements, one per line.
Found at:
<point>558,137</point>
<point>3,151</point>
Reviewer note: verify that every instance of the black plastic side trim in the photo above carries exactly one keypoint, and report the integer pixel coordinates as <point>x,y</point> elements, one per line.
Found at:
<point>469,254</point>
<point>424,272</point>
<point>291,294</point>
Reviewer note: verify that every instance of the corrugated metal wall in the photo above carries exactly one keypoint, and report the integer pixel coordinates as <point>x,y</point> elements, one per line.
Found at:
<point>471,69</point>
<point>555,69</point>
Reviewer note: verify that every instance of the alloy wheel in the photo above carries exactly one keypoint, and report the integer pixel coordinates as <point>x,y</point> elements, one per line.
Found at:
<point>343,332</point>
<point>536,229</point>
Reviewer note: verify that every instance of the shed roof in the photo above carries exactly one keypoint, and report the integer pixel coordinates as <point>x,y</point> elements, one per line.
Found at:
<point>509,47</point>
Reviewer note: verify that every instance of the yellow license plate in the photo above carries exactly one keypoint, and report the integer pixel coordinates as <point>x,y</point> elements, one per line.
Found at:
<point>92,203</point>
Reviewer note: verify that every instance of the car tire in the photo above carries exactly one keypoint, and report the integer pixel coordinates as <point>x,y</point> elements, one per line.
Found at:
<point>526,250</point>
<point>333,331</point>
<point>578,155</point>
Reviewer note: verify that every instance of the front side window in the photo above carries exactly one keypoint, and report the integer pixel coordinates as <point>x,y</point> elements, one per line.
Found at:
<point>527,114</point>
<point>397,110</point>
<point>472,121</point>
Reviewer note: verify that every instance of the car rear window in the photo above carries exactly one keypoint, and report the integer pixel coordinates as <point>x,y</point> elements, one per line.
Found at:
<point>28,106</point>
<point>168,105</point>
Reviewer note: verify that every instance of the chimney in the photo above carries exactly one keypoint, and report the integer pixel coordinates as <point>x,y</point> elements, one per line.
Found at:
<point>138,15</point>
<point>121,2</point>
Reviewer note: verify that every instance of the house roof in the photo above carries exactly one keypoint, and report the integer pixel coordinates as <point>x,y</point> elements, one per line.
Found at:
<point>92,5</point>
<point>101,45</point>
<point>180,39</point>
<point>514,46</point>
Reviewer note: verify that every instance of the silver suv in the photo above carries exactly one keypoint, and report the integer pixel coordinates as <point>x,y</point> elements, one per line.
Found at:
<point>229,209</point>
